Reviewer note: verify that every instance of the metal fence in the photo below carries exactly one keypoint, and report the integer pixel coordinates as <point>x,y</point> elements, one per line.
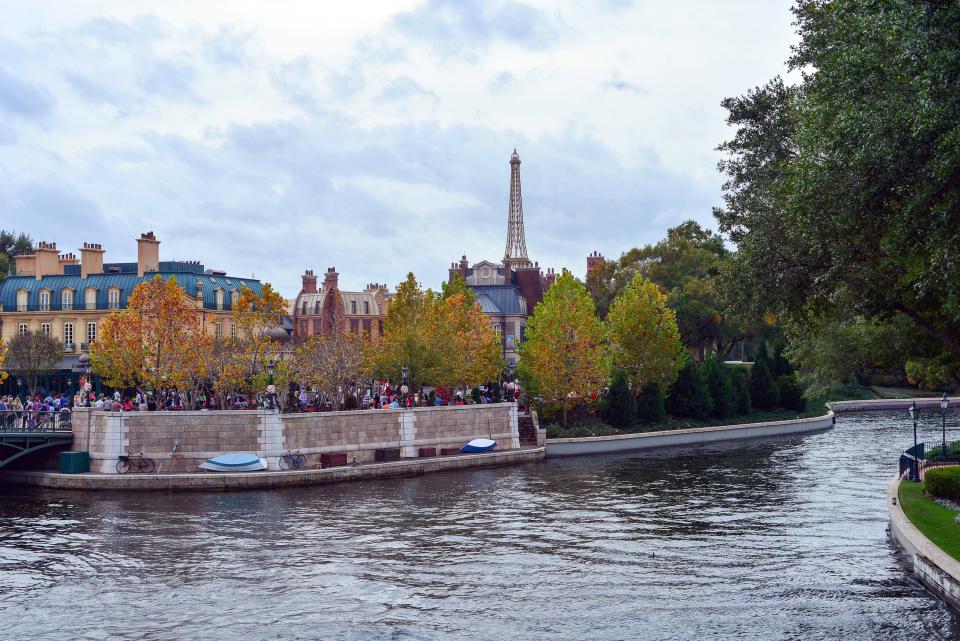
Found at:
<point>36,421</point>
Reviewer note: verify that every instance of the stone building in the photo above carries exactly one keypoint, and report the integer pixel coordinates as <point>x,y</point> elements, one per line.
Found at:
<point>317,310</point>
<point>68,297</point>
<point>508,291</point>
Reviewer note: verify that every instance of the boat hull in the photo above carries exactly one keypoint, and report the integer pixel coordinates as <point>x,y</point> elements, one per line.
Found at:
<point>478,446</point>
<point>235,462</point>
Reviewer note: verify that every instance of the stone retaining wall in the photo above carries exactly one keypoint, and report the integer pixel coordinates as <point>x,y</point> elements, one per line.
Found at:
<point>202,435</point>
<point>881,404</point>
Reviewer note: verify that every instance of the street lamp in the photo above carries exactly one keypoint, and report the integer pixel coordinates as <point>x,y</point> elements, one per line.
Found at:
<point>271,368</point>
<point>403,371</point>
<point>944,404</point>
<point>914,472</point>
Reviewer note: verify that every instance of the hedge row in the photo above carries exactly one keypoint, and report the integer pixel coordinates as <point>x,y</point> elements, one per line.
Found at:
<point>943,482</point>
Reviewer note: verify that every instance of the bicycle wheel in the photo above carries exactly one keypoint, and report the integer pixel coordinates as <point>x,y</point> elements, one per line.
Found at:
<point>147,465</point>
<point>301,460</point>
<point>285,462</point>
<point>123,466</point>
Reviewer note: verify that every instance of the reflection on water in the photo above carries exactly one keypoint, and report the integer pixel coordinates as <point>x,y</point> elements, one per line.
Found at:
<point>770,540</point>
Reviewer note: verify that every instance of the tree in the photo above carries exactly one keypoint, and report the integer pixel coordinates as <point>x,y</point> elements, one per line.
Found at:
<point>157,342</point>
<point>3,357</point>
<point>32,355</point>
<point>741,390</point>
<point>720,384</point>
<point>621,405</point>
<point>650,404</point>
<point>789,393</point>
<point>644,340</point>
<point>404,343</point>
<point>470,346</point>
<point>252,345</point>
<point>763,392</point>
<point>11,244</point>
<point>332,363</point>
<point>562,359</point>
<point>843,196</point>
<point>690,396</point>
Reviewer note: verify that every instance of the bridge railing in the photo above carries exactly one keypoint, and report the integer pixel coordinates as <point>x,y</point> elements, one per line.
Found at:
<point>36,421</point>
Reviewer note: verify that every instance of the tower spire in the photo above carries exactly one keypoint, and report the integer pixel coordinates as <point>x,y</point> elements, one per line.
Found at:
<point>516,251</point>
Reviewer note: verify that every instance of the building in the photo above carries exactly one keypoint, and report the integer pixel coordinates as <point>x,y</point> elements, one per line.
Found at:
<point>508,291</point>
<point>68,297</point>
<point>317,311</point>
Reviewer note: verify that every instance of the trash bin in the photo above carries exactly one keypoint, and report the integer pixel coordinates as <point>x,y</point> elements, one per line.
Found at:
<point>74,462</point>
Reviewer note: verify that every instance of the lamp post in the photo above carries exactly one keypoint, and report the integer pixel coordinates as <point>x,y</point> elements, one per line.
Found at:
<point>914,471</point>
<point>944,404</point>
<point>403,384</point>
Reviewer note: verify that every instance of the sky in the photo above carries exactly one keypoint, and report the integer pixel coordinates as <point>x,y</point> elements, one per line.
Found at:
<point>266,138</point>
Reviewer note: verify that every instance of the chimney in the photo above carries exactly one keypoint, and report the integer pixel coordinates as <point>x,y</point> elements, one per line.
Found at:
<point>330,279</point>
<point>309,282</point>
<point>91,259</point>
<point>67,259</point>
<point>47,260</point>
<point>148,254</point>
<point>25,263</point>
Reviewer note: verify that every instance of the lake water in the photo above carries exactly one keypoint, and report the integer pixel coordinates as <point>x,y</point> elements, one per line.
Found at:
<point>768,540</point>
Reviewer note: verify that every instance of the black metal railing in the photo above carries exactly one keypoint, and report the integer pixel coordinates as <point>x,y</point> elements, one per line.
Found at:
<point>910,461</point>
<point>36,421</point>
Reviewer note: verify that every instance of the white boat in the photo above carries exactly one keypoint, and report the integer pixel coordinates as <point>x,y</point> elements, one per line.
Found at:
<point>235,462</point>
<point>478,445</point>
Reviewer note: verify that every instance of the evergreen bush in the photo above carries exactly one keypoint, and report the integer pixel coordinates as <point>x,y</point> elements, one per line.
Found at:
<point>943,482</point>
<point>720,384</point>
<point>763,391</point>
<point>780,366</point>
<point>741,390</point>
<point>650,406</point>
<point>621,408</point>
<point>791,396</point>
<point>689,396</point>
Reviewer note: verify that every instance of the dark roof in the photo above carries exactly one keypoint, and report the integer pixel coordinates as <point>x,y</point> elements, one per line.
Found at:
<point>498,299</point>
<point>125,281</point>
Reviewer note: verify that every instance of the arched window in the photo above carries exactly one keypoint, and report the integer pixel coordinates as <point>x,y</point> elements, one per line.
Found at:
<point>90,298</point>
<point>45,300</point>
<point>113,298</point>
<point>66,300</point>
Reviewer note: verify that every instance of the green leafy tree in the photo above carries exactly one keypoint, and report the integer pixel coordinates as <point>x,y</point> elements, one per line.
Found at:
<point>621,405</point>
<point>644,340</point>
<point>843,191</point>
<point>789,393</point>
<point>11,244</point>
<point>650,405</point>
<point>763,392</point>
<point>562,359</point>
<point>720,384</point>
<point>690,396</point>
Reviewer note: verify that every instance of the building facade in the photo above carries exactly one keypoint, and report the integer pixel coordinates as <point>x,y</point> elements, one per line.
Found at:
<point>324,309</point>
<point>68,298</point>
<point>508,291</point>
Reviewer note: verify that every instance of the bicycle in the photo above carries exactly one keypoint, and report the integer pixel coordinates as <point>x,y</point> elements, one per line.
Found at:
<point>129,461</point>
<point>292,460</point>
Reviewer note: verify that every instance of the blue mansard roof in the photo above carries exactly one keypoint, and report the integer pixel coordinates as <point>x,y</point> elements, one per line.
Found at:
<point>123,276</point>
<point>499,299</point>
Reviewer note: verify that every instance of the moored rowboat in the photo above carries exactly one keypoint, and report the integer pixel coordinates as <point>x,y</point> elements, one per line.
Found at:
<point>235,462</point>
<point>478,445</point>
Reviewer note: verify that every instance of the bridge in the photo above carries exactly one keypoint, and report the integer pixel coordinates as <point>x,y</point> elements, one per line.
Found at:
<point>23,433</point>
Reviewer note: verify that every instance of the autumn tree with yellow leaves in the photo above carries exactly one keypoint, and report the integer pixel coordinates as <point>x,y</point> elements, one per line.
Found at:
<point>332,363</point>
<point>562,358</point>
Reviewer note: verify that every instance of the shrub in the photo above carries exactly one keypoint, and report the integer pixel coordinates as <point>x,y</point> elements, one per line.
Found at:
<point>650,407</point>
<point>350,402</point>
<point>791,396</point>
<point>943,482</point>
<point>554,430</point>
<point>741,390</point>
<point>621,406</point>
<point>690,397</point>
<point>720,383</point>
<point>763,391</point>
<point>780,366</point>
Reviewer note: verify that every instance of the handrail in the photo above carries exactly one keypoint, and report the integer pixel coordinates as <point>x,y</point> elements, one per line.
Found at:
<point>32,421</point>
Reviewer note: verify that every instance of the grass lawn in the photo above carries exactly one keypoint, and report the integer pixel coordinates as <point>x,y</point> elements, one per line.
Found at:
<point>902,392</point>
<point>935,521</point>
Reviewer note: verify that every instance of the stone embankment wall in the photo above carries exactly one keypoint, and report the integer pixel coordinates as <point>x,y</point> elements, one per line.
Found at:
<point>939,571</point>
<point>880,404</point>
<point>359,434</point>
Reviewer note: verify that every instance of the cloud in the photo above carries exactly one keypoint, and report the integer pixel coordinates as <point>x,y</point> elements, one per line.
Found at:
<point>504,82</point>
<point>452,26</point>
<point>168,78</point>
<point>616,84</point>
<point>22,99</point>
<point>405,87</point>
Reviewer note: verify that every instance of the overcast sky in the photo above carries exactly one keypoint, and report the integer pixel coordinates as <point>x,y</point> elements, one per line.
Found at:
<point>271,137</point>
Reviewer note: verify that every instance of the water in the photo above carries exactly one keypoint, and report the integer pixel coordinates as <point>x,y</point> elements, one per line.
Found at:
<point>770,540</point>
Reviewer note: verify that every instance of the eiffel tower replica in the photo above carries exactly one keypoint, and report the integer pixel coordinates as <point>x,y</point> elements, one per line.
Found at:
<point>515,254</point>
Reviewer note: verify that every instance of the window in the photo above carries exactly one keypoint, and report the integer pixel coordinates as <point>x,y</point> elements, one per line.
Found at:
<point>113,299</point>
<point>523,333</point>
<point>353,307</point>
<point>219,329</point>
<point>45,328</point>
<point>367,326</point>
<point>90,298</point>
<point>354,324</point>
<point>303,328</point>
<point>23,298</point>
<point>68,333</point>
<point>316,327</point>
<point>366,307</point>
<point>498,329</point>
<point>233,330</point>
<point>380,326</point>
<point>234,297</point>
<point>66,300</point>
<point>91,333</point>
<point>316,307</point>
<point>303,308</point>
<point>22,329</point>
<point>218,296</point>
<point>44,300</point>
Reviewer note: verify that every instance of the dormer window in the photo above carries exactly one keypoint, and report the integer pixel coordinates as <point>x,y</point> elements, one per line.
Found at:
<point>90,298</point>
<point>23,299</point>
<point>316,307</point>
<point>218,297</point>
<point>113,298</point>
<point>303,308</point>
<point>366,307</point>
<point>353,307</point>
<point>234,297</point>
<point>66,299</point>
<point>44,300</point>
